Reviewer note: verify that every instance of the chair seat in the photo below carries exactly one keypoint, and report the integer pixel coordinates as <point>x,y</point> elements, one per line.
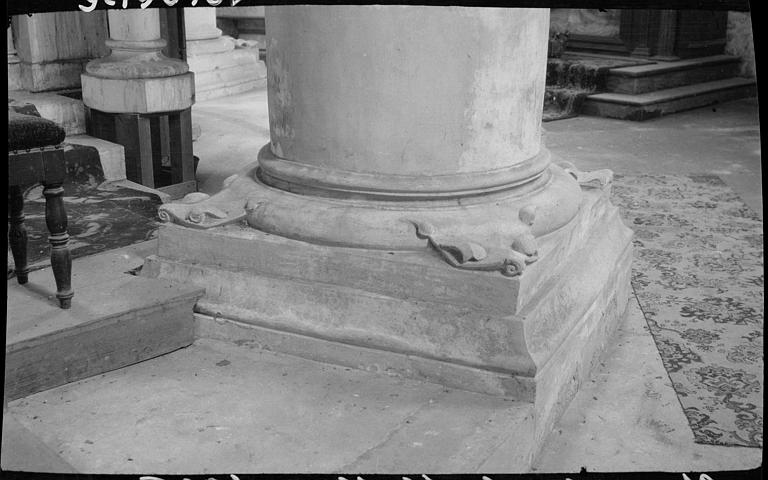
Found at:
<point>27,132</point>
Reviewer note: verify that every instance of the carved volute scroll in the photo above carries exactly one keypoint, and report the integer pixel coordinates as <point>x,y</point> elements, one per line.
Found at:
<point>594,179</point>
<point>469,255</point>
<point>197,211</point>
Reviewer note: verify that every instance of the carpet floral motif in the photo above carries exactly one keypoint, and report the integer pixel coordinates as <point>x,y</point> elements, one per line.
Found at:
<point>698,276</point>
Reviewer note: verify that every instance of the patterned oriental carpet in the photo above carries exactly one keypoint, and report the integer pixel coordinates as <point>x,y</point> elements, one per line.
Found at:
<point>698,276</point>
<point>100,216</point>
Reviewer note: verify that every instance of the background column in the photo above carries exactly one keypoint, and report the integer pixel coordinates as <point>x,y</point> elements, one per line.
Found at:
<point>220,68</point>
<point>141,99</point>
<point>14,66</point>
<point>54,47</point>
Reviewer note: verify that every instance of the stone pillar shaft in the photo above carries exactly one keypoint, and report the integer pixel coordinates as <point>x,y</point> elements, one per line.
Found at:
<point>200,23</point>
<point>14,67</point>
<point>136,77</point>
<point>133,26</point>
<point>402,110</point>
<point>202,36</point>
<point>382,120</point>
<point>53,47</point>
<point>11,47</point>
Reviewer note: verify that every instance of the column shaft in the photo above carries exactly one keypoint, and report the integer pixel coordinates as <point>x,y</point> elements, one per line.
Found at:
<point>136,77</point>
<point>388,108</point>
<point>14,67</point>
<point>220,69</point>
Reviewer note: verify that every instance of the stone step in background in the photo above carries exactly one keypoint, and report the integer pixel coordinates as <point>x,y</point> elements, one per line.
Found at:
<point>659,76</point>
<point>662,102</point>
<point>599,85</point>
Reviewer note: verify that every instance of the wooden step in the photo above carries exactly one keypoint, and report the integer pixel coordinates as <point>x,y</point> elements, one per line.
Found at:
<point>116,319</point>
<point>662,102</point>
<point>664,75</point>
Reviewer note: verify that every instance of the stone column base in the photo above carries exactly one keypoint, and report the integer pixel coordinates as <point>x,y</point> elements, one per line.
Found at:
<point>138,95</point>
<point>227,73</point>
<point>533,338</point>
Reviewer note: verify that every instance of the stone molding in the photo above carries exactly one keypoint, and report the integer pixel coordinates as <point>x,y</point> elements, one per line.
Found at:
<point>138,95</point>
<point>309,179</point>
<point>496,220</point>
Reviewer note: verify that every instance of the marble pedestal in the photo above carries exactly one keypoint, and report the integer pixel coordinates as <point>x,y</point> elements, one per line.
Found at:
<point>532,338</point>
<point>14,64</point>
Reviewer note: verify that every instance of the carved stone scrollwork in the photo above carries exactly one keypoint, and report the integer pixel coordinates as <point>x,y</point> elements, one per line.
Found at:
<point>194,210</point>
<point>594,179</point>
<point>468,255</point>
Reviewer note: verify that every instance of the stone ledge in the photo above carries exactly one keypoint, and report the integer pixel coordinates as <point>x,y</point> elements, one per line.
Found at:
<point>651,105</point>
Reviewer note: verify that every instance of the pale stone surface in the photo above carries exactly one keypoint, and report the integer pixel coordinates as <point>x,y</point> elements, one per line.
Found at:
<point>14,67</point>
<point>627,418</point>
<point>200,23</point>
<point>739,41</point>
<point>227,73</point>
<point>300,425</point>
<point>405,110</point>
<point>473,167</point>
<point>138,95</point>
<point>67,112</point>
<point>164,197</point>
<point>537,343</point>
<point>240,12</point>
<point>12,57</point>
<point>219,68</point>
<point>41,77</point>
<point>52,56</point>
<point>628,409</point>
<point>227,144</point>
<point>111,155</point>
<point>23,451</point>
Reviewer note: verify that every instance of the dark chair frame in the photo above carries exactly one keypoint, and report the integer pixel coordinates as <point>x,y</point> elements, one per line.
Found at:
<point>28,167</point>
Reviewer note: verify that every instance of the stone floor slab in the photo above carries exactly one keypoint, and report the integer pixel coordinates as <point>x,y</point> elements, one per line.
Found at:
<point>217,407</point>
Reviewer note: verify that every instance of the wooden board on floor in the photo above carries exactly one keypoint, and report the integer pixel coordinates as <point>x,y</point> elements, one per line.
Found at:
<point>111,325</point>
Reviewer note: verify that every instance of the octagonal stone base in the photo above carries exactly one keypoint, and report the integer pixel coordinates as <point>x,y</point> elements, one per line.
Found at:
<point>139,95</point>
<point>533,338</point>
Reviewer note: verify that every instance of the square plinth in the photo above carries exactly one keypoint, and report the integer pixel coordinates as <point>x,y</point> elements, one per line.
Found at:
<point>533,338</point>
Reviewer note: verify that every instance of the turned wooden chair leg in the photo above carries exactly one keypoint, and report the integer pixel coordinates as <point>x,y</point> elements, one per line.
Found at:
<point>17,233</point>
<point>61,259</point>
